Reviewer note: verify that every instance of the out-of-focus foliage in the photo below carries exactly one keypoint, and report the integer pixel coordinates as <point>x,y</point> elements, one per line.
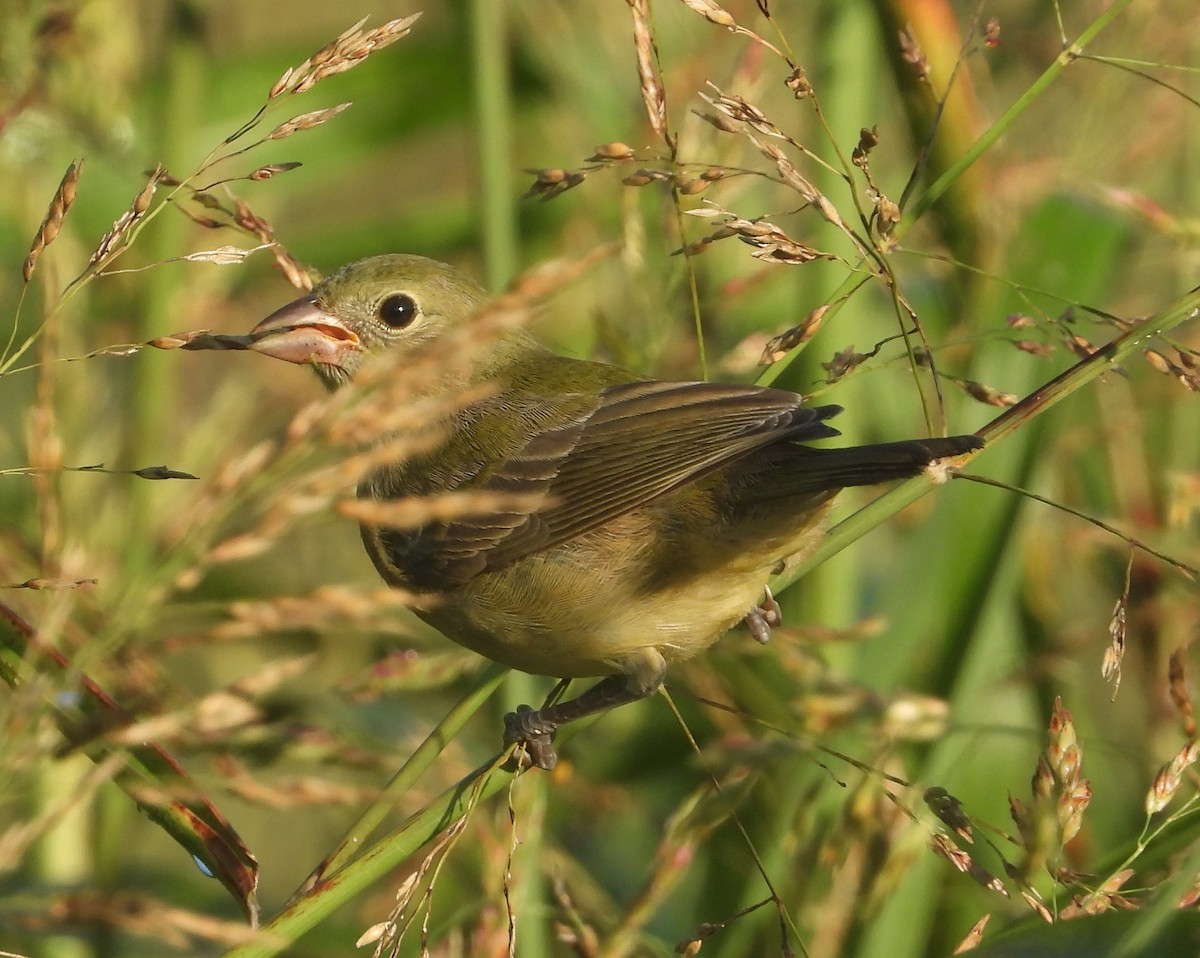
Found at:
<point>238,619</point>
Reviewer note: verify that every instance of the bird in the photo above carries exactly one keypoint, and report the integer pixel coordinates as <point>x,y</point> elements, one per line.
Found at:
<point>650,513</point>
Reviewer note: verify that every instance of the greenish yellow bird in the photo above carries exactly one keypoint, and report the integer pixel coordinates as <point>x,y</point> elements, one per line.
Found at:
<point>656,513</point>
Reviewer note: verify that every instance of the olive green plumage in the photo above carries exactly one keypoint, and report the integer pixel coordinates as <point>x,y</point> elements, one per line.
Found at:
<point>656,510</point>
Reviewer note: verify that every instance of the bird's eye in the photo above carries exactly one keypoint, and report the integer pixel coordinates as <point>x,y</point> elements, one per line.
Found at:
<point>398,311</point>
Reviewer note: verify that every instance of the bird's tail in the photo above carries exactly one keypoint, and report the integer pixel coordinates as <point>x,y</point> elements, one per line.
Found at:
<point>880,462</point>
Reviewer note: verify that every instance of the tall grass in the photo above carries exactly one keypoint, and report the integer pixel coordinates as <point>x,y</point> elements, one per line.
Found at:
<point>976,697</point>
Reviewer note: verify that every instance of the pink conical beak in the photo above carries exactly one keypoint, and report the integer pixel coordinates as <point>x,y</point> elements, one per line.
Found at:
<point>302,332</point>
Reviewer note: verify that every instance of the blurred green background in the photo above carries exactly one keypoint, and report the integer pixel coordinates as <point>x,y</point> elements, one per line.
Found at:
<point>932,650</point>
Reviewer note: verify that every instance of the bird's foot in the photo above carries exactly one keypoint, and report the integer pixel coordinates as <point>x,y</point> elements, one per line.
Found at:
<point>533,728</point>
<point>762,618</point>
<point>528,728</point>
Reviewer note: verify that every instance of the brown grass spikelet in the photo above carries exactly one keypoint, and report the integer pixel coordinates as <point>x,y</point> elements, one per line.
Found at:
<point>256,225</point>
<point>419,510</point>
<point>772,245</point>
<point>271,169</point>
<point>1033,347</point>
<point>1080,346</point>
<point>1103,899</point>
<point>1189,898</point>
<point>949,811</point>
<point>1041,784</point>
<point>326,606</point>
<point>712,12</point>
<point>52,222</point>
<point>222,255</point>
<point>644,177</point>
<point>887,214</point>
<point>40,584</point>
<point>961,859</point>
<point>843,362</point>
<point>973,937</point>
<point>654,96</point>
<point>716,14</point>
<point>779,346</point>
<point>612,151</point>
<point>799,84</point>
<point>1185,370</point>
<point>1019,813</point>
<point>719,120</point>
<point>345,51</point>
<point>1064,756</point>
<point>1063,751</point>
<point>125,222</point>
<point>1170,777</point>
<point>741,111</point>
<point>868,139</point>
<point>551,182</point>
<point>1038,906</point>
<point>293,272</point>
<point>306,121</point>
<point>1159,362</point>
<point>1114,655</point>
<point>988,395</point>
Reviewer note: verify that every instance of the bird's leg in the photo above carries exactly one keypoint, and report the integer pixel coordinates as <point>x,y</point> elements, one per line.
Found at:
<point>534,727</point>
<point>763,617</point>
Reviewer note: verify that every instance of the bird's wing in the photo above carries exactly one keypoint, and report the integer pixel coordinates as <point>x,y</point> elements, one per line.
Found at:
<point>639,441</point>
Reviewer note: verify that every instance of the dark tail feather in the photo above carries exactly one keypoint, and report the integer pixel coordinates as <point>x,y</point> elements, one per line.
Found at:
<point>881,462</point>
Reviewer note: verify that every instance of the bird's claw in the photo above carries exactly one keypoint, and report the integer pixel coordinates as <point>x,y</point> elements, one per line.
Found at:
<point>527,728</point>
<point>763,617</point>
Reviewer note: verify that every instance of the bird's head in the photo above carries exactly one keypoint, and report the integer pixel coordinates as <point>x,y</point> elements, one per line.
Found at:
<point>396,302</point>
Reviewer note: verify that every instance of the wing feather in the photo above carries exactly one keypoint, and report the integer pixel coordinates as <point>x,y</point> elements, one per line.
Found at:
<point>639,441</point>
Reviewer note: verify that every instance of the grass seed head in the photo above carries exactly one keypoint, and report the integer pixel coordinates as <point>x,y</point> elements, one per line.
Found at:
<point>52,222</point>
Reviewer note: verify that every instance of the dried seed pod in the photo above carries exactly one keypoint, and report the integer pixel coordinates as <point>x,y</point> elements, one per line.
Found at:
<point>887,215</point>
<point>306,121</point>
<point>785,342</point>
<point>266,172</point>
<point>550,177</point>
<point>1033,348</point>
<point>867,141</point>
<point>986,394</point>
<point>640,178</point>
<point>799,84</point>
<point>713,13</point>
<point>723,123</point>
<point>612,151</point>
<point>52,222</point>
<point>654,95</point>
<point>126,220</point>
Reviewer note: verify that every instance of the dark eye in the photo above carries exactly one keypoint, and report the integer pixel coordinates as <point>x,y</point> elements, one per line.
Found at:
<point>398,311</point>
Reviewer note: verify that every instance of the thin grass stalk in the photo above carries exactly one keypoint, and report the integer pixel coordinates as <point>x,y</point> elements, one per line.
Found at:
<point>342,887</point>
<point>1066,384</point>
<point>1039,86</point>
<point>937,189</point>
<point>355,838</point>
<point>493,114</point>
<point>155,383</point>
